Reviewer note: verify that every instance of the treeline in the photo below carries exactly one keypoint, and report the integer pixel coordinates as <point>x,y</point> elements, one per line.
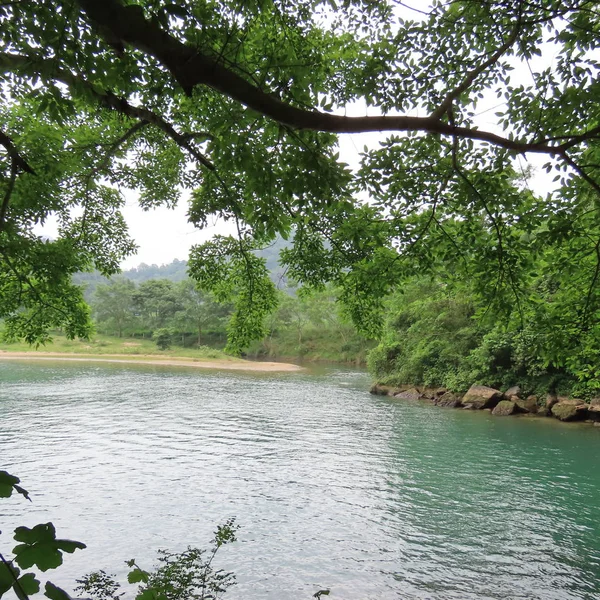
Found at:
<point>178,314</point>
<point>169,312</point>
<point>441,332</point>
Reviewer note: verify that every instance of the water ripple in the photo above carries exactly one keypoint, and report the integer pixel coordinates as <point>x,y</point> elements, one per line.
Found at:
<point>333,488</point>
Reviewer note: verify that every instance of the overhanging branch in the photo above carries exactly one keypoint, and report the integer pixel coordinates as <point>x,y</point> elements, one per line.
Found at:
<point>190,68</point>
<point>106,99</point>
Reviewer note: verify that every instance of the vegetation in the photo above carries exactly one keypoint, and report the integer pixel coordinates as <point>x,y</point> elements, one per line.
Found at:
<point>440,332</point>
<point>238,105</point>
<point>160,316</point>
<point>105,345</point>
<point>311,327</point>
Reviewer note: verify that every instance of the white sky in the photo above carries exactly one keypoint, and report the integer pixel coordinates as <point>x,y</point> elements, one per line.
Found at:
<point>165,234</point>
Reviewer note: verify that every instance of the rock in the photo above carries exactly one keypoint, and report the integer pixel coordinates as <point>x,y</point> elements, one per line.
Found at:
<point>515,390</point>
<point>441,391</point>
<point>468,407</point>
<point>543,411</point>
<point>551,400</point>
<point>429,393</point>
<point>529,405</point>
<point>412,394</point>
<point>481,396</point>
<point>572,401</point>
<point>594,405</point>
<point>504,408</point>
<point>569,412</point>
<point>382,390</point>
<point>449,400</point>
<point>597,424</point>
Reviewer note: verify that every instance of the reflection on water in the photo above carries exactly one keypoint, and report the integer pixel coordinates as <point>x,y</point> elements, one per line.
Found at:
<point>333,488</point>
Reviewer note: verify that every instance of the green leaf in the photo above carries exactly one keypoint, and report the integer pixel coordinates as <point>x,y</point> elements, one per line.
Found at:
<point>137,576</point>
<point>29,584</point>
<point>148,594</point>
<point>41,548</point>
<point>8,483</point>
<point>8,575</point>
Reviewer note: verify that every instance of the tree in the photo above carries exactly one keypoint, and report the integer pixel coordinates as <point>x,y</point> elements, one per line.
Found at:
<point>114,306</point>
<point>198,310</point>
<point>156,302</point>
<point>235,102</point>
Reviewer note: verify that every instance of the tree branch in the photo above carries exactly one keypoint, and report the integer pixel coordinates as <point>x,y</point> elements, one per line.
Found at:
<point>8,194</point>
<point>190,68</point>
<point>466,83</point>
<point>104,98</point>
<point>13,153</point>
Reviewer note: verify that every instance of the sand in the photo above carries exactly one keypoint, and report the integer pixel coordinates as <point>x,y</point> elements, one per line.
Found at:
<point>148,359</point>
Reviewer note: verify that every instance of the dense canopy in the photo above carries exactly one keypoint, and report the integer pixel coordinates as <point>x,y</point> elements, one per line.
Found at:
<point>241,105</point>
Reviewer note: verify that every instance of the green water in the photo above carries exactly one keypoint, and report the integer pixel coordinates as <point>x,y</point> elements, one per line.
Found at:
<point>333,488</point>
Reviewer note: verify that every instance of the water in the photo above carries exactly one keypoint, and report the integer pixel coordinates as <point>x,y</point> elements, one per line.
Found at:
<point>333,488</point>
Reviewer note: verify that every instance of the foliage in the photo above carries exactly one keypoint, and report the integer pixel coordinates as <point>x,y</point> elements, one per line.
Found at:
<point>107,346</point>
<point>38,547</point>
<point>429,332</point>
<point>122,307</point>
<point>443,333</point>
<point>311,327</point>
<point>114,305</point>
<point>180,576</point>
<point>240,104</point>
<point>163,338</point>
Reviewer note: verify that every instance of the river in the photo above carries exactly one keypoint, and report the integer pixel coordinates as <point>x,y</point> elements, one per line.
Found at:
<point>332,488</point>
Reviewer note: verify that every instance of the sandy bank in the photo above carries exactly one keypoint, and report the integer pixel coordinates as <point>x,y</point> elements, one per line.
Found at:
<point>148,359</point>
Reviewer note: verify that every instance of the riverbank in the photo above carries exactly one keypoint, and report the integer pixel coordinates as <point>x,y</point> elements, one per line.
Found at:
<point>502,404</point>
<point>103,348</point>
<point>172,361</point>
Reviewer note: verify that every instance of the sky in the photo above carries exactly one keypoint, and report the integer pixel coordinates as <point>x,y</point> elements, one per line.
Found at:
<point>164,234</point>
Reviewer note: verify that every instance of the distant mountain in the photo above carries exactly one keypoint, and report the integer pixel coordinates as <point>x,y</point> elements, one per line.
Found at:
<point>177,271</point>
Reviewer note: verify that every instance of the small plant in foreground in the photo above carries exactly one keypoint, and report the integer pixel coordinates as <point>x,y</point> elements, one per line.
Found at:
<point>187,575</point>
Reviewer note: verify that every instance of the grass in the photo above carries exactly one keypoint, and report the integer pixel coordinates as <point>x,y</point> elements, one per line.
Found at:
<point>106,345</point>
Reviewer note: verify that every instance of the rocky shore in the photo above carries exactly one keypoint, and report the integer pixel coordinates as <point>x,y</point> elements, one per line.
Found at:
<point>502,404</point>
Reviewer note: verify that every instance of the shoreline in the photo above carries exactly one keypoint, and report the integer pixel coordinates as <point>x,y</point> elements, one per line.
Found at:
<point>498,403</point>
<point>149,359</point>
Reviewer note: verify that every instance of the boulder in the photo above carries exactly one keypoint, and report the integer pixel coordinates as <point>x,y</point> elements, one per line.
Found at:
<point>504,408</point>
<point>529,405</point>
<point>572,401</point>
<point>412,394</point>
<point>515,390</point>
<point>481,396</point>
<point>441,391</point>
<point>597,424</point>
<point>449,400</point>
<point>569,412</point>
<point>382,390</point>
<point>551,400</point>
<point>594,405</point>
